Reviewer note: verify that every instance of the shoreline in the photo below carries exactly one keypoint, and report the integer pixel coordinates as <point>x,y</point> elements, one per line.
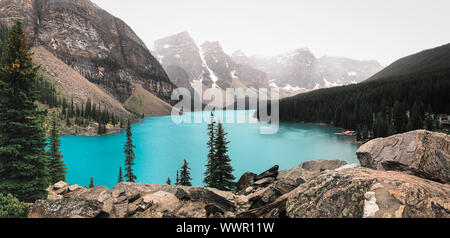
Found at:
<point>141,120</point>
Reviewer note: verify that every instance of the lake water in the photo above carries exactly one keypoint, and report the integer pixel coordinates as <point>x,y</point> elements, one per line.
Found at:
<point>161,147</point>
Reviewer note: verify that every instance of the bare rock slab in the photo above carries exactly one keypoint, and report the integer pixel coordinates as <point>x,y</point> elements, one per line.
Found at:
<point>421,153</point>
<point>363,192</point>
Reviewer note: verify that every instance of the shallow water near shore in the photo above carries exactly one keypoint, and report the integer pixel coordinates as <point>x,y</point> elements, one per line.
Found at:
<point>162,145</point>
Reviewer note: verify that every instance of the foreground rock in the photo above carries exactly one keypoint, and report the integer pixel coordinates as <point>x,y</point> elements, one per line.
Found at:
<point>422,153</point>
<point>136,200</point>
<point>322,188</point>
<point>66,208</point>
<point>269,200</point>
<point>362,192</point>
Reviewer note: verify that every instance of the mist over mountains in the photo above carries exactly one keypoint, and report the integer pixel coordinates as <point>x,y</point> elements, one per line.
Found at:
<point>186,62</point>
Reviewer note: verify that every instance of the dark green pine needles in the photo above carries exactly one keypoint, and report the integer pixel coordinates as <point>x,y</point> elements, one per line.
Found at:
<point>56,166</point>
<point>129,155</point>
<point>23,158</point>
<point>120,179</point>
<point>219,173</point>
<point>185,175</point>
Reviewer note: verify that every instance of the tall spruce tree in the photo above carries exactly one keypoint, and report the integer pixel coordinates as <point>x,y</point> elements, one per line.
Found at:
<point>223,172</point>
<point>168,182</point>
<point>210,179</point>
<point>129,155</point>
<point>120,179</point>
<point>177,182</point>
<point>185,175</point>
<point>23,171</point>
<point>56,167</point>
<point>91,184</point>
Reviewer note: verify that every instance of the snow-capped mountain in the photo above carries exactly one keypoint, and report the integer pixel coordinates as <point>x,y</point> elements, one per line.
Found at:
<point>187,64</point>
<point>299,70</point>
<point>182,59</point>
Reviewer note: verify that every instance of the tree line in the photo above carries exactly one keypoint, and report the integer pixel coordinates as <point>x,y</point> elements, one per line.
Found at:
<point>375,108</point>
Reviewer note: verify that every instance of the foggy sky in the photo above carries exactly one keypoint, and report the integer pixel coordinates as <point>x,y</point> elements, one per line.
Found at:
<point>384,30</point>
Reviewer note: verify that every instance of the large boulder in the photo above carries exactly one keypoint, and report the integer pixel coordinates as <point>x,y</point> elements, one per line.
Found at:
<point>307,170</point>
<point>101,194</point>
<point>421,153</point>
<point>362,192</point>
<point>66,208</point>
<point>245,181</point>
<point>271,173</point>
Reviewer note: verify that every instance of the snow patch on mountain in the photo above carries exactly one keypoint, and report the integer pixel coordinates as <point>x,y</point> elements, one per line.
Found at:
<point>211,73</point>
<point>330,84</point>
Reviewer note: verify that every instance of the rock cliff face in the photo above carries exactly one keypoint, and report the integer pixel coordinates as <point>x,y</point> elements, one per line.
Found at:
<point>421,153</point>
<point>314,189</point>
<point>101,47</point>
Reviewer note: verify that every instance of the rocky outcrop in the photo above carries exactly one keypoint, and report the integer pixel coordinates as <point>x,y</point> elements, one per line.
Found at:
<point>422,153</point>
<point>307,170</point>
<point>66,208</point>
<point>99,46</point>
<point>136,200</point>
<point>314,189</point>
<point>267,195</point>
<point>363,192</point>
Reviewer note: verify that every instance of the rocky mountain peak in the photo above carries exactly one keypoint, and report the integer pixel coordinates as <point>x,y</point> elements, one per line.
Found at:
<point>89,39</point>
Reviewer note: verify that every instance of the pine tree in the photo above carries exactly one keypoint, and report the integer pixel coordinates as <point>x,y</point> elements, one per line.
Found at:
<point>185,175</point>
<point>400,119</point>
<point>223,172</point>
<point>365,133</point>
<point>178,178</point>
<point>209,180</point>
<point>120,176</point>
<point>429,122</point>
<point>57,168</point>
<point>23,171</point>
<point>68,122</point>
<point>129,153</point>
<point>415,121</point>
<point>169,182</point>
<point>91,184</point>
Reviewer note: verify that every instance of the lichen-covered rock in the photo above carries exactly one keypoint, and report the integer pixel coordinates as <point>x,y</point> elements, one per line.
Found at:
<point>298,175</point>
<point>421,153</point>
<point>100,194</point>
<point>363,192</point>
<point>245,181</point>
<point>270,173</point>
<point>66,208</point>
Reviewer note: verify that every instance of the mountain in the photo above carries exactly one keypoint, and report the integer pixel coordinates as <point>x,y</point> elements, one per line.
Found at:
<point>301,71</point>
<point>426,61</point>
<point>187,64</point>
<point>400,98</point>
<point>71,85</point>
<point>98,46</point>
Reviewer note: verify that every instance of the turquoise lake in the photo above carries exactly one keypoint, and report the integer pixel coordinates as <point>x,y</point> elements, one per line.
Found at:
<point>162,145</point>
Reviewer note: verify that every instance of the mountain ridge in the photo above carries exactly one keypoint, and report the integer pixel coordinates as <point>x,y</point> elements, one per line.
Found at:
<point>89,39</point>
<point>424,61</point>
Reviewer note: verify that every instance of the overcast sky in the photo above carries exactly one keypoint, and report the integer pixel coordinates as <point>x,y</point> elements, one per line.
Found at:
<point>384,30</point>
